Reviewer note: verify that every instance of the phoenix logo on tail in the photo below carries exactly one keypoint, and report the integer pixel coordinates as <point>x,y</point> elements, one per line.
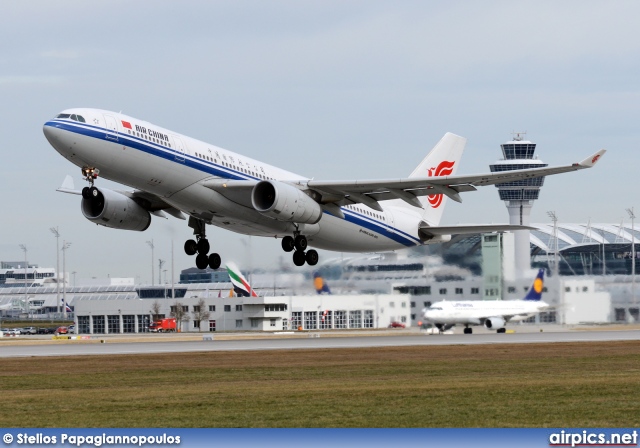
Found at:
<point>240,284</point>
<point>445,168</point>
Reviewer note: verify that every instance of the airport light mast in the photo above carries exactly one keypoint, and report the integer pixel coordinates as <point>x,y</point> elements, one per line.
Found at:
<point>519,195</point>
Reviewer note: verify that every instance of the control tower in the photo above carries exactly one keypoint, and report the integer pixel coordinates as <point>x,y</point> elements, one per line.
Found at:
<point>519,195</point>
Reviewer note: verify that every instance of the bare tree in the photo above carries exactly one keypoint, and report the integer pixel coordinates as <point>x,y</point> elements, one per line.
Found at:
<point>200,313</point>
<point>155,310</point>
<point>180,312</point>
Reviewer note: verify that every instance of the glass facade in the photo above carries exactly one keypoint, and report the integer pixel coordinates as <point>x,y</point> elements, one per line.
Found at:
<point>129,323</point>
<point>113,322</point>
<point>98,324</point>
<point>518,150</point>
<point>310,320</point>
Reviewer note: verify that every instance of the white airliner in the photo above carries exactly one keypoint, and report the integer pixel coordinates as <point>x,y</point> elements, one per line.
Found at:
<point>493,314</point>
<point>174,174</point>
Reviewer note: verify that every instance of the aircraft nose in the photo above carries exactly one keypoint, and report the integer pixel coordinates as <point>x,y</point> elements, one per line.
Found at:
<point>54,136</point>
<point>46,129</point>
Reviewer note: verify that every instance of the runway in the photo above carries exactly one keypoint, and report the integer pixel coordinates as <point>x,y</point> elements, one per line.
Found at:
<point>112,345</point>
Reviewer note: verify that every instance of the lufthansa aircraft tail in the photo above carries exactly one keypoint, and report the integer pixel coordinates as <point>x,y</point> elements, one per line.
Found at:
<point>535,292</point>
<point>442,160</point>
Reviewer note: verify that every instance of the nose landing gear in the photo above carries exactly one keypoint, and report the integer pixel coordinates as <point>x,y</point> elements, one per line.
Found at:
<point>90,174</point>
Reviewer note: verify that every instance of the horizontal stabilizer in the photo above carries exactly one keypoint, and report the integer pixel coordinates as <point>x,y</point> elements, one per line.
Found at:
<point>68,187</point>
<point>480,228</point>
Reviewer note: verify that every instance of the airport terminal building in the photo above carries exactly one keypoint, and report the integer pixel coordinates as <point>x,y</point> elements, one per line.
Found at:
<point>204,312</point>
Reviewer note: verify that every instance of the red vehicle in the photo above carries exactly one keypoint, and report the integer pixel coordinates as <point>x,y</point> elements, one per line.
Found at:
<point>163,325</point>
<point>62,330</point>
<point>397,325</point>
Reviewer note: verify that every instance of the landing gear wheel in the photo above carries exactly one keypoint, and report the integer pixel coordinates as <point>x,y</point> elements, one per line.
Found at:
<point>93,192</point>
<point>301,243</point>
<point>501,330</point>
<point>288,244</point>
<point>190,247</point>
<point>311,257</point>
<point>214,261</point>
<point>298,258</point>
<point>202,261</point>
<point>203,246</point>
<point>85,193</point>
<point>468,331</point>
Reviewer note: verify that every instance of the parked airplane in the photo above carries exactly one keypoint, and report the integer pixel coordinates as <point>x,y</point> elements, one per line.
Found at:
<point>178,175</point>
<point>493,314</point>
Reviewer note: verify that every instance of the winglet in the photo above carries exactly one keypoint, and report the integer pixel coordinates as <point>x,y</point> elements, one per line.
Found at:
<point>591,160</point>
<point>68,187</point>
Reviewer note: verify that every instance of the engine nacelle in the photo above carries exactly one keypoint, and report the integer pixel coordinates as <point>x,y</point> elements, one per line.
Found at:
<point>285,202</point>
<point>115,210</point>
<point>494,323</point>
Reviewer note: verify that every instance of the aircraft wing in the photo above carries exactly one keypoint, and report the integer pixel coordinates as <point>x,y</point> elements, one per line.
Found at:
<point>369,192</point>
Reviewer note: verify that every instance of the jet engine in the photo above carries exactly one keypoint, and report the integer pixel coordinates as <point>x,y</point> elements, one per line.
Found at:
<point>285,202</point>
<point>494,323</point>
<point>112,209</point>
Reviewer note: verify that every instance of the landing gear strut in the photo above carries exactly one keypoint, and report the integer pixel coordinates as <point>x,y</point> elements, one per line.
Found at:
<point>201,246</point>
<point>299,243</point>
<point>90,174</point>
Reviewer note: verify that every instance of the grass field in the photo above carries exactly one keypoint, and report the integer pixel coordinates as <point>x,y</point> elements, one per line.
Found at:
<point>524,385</point>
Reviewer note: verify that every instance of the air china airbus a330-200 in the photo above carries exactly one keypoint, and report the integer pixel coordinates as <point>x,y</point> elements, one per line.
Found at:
<point>173,174</point>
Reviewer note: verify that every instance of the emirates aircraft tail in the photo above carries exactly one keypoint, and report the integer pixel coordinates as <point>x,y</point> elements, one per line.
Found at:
<point>240,284</point>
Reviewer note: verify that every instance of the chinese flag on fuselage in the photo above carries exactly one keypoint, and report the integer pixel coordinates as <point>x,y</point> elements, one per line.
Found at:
<point>126,124</point>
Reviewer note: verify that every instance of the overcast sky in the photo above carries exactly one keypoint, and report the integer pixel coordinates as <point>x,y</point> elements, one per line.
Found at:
<point>327,89</point>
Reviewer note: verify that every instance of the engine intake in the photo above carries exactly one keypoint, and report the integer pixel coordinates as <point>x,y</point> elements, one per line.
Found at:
<point>285,202</point>
<point>112,209</point>
<point>494,323</point>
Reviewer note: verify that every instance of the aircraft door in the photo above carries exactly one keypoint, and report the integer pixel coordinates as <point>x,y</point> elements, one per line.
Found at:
<point>112,126</point>
<point>179,149</point>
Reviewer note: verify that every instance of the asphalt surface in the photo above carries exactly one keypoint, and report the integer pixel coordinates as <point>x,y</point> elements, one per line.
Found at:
<point>119,345</point>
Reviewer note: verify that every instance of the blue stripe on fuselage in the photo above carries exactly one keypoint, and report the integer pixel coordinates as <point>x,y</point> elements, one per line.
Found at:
<point>383,229</point>
<point>170,154</point>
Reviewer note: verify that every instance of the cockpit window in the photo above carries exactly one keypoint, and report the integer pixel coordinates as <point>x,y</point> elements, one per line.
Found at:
<point>73,117</point>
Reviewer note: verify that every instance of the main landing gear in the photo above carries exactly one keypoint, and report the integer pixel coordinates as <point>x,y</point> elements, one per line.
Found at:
<point>299,243</point>
<point>201,246</point>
